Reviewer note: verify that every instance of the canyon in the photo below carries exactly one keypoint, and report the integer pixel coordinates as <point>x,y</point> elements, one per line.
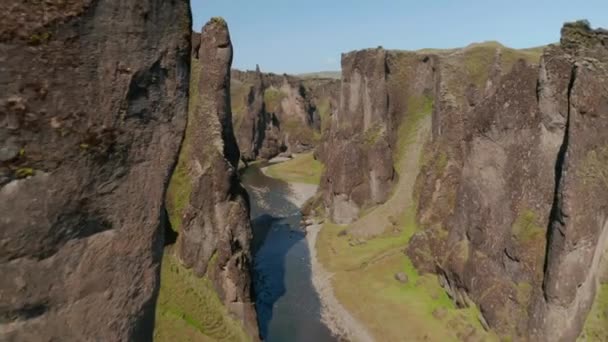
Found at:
<point>462,193</point>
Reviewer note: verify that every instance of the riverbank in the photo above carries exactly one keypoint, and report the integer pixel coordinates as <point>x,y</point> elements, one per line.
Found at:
<point>339,321</point>
<point>334,315</point>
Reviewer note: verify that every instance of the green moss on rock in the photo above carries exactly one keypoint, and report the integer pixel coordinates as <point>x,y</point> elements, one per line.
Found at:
<point>526,227</point>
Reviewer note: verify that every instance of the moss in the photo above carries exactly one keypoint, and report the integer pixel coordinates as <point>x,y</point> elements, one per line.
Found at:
<point>526,227</point>
<point>239,93</point>
<point>524,293</point>
<point>38,39</point>
<point>373,134</point>
<point>24,172</point>
<point>594,169</point>
<point>300,132</point>
<point>324,111</point>
<point>218,20</point>
<point>596,326</point>
<point>188,308</point>
<point>180,185</point>
<point>273,98</point>
<point>418,107</point>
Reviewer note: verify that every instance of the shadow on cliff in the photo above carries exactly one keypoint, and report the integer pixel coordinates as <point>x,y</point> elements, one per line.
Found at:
<point>275,222</point>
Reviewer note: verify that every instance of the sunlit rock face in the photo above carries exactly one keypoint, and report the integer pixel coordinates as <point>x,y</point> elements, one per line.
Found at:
<point>93,98</point>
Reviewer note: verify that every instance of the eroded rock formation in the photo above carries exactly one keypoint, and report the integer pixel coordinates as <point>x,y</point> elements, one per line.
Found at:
<point>510,192</point>
<point>279,113</point>
<point>93,101</point>
<point>215,231</point>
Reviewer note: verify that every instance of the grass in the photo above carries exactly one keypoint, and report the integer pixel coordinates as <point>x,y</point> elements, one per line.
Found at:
<point>392,311</point>
<point>418,107</point>
<point>188,308</point>
<point>301,169</point>
<point>479,58</point>
<point>596,325</point>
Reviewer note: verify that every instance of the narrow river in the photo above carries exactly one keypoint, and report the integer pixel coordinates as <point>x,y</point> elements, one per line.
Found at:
<point>287,304</point>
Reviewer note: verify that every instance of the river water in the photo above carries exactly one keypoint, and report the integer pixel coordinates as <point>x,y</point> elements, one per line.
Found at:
<point>288,307</point>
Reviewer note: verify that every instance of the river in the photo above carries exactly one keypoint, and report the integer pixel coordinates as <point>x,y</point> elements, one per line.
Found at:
<point>288,307</point>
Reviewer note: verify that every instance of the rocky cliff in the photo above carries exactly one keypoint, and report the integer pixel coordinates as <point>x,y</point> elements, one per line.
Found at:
<point>207,205</point>
<point>279,113</point>
<point>507,188</point>
<point>92,111</point>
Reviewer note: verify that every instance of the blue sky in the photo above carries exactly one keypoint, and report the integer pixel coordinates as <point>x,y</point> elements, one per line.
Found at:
<point>296,36</point>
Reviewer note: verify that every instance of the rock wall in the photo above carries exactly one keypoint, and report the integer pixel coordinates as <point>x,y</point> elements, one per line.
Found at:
<point>504,244</point>
<point>215,232</point>
<point>279,113</point>
<point>509,194</point>
<point>92,111</point>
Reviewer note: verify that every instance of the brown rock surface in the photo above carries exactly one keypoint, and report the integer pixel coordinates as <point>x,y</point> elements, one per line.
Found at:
<point>94,95</point>
<point>510,192</point>
<point>279,113</point>
<point>215,233</point>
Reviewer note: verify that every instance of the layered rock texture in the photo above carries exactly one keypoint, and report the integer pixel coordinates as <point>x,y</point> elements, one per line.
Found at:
<point>509,190</point>
<point>207,204</point>
<point>275,114</point>
<point>93,101</point>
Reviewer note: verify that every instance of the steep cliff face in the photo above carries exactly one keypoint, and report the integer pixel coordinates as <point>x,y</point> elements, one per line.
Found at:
<point>577,253</point>
<point>508,198</point>
<point>207,204</point>
<point>510,189</point>
<point>279,113</point>
<point>92,111</point>
<point>258,130</point>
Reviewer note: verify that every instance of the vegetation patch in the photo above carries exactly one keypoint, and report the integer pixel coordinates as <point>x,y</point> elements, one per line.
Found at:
<point>303,168</point>
<point>393,311</point>
<point>526,227</point>
<point>479,59</point>
<point>418,107</point>
<point>188,308</point>
<point>273,98</point>
<point>239,93</point>
<point>180,185</point>
<point>596,328</point>
<point>300,132</point>
<point>594,169</point>
<point>324,111</point>
<point>373,134</point>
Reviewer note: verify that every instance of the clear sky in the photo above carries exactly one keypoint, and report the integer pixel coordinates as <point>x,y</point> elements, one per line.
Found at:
<point>296,36</point>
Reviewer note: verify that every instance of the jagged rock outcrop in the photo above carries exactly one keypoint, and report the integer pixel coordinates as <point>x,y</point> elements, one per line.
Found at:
<point>93,101</point>
<point>258,130</point>
<point>511,187</point>
<point>510,193</point>
<point>279,113</point>
<point>383,92</point>
<point>361,168</point>
<point>215,232</point>
<point>573,103</point>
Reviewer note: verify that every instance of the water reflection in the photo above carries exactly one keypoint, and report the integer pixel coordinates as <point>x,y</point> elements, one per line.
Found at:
<point>287,305</point>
